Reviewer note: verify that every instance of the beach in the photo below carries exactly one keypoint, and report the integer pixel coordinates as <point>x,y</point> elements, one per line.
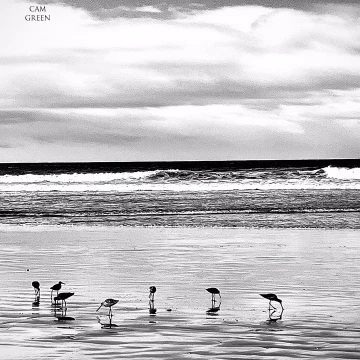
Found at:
<point>168,168</point>
<point>314,272</point>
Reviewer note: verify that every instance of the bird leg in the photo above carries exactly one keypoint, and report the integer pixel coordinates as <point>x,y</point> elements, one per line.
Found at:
<point>37,294</point>
<point>271,305</point>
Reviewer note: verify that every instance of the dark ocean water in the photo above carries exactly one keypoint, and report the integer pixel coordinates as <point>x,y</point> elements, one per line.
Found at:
<point>270,194</point>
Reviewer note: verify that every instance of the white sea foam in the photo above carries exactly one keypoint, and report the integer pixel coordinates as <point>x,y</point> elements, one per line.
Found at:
<point>77,178</point>
<point>176,187</point>
<point>342,173</point>
<point>178,180</point>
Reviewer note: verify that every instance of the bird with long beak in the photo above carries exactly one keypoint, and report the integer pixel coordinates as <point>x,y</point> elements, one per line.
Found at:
<point>56,288</point>
<point>108,303</point>
<point>272,297</point>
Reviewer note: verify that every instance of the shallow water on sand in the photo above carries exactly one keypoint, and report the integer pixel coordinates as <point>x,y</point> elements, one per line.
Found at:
<point>315,272</point>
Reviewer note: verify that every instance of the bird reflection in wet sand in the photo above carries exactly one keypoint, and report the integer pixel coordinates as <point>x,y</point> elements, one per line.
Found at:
<point>152,310</point>
<point>36,303</point>
<point>60,310</point>
<point>107,303</point>
<point>275,315</point>
<point>214,309</point>
<point>107,325</point>
<point>60,314</point>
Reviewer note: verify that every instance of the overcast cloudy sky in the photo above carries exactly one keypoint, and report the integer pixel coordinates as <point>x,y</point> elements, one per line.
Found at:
<point>130,80</point>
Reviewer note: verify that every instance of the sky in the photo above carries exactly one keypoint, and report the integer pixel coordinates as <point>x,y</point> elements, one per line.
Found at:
<point>112,80</point>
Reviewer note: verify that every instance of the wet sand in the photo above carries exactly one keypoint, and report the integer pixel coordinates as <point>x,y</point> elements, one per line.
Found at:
<point>315,272</point>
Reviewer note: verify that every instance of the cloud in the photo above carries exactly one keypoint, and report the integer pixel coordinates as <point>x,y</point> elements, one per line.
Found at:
<point>194,132</point>
<point>233,77</point>
<point>219,55</point>
<point>92,6</point>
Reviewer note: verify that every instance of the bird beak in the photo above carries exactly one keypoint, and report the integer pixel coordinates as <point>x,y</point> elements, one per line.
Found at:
<point>100,306</point>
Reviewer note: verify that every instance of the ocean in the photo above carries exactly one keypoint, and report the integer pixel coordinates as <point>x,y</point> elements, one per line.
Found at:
<point>245,194</point>
<point>112,230</point>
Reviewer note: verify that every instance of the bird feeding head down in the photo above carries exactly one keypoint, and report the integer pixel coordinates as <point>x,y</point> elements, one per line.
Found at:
<point>213,291</point>
<point>272,297</point>
<point>108,303</point>
<point>100,306</point>
<point>63,296</point>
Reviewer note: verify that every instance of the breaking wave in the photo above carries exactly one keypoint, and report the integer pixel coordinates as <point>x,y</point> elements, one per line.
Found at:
<point>75,178</point>
<point>187,180</point>
<point>342,173</point>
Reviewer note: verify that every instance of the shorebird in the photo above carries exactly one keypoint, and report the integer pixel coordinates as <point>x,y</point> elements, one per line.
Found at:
<point>108,303</point>
<point>56,287</point>
<point>63,296</point>
<point>272,297</point>
<point>213,292</point>
<point>36,286</point>
<point>152,293</point>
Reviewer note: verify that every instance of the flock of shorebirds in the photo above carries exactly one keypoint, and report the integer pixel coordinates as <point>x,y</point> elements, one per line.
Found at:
<point>109,303</point>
